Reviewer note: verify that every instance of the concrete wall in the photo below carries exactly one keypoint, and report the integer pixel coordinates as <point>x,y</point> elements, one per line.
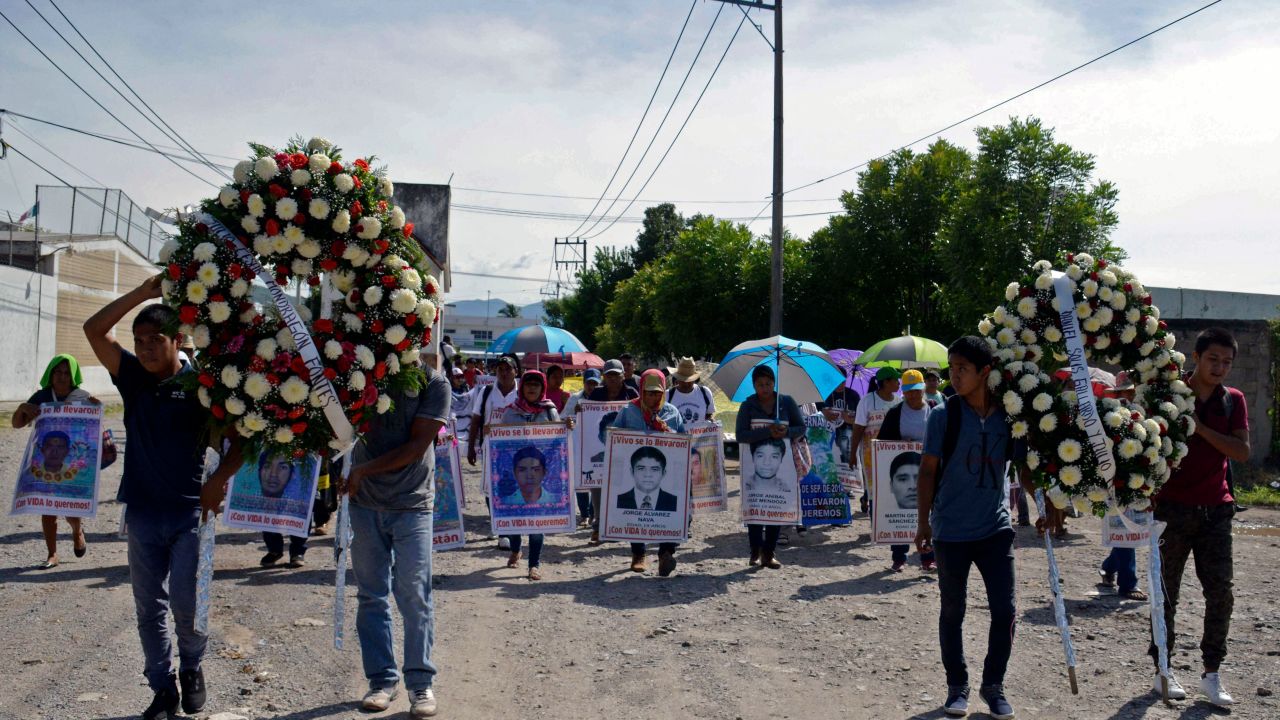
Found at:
<point>1251,373</point>
<point>28,308</point>
<point>1193,304</point>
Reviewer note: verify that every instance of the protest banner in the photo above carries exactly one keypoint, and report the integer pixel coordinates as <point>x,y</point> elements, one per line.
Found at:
<point>486,380</point>
<point>895,469</point>
<point>594,420</point>
<point>446,519</point>
<point>823,500</point>
<point>770,486</point>
<point>707,488</point>
<point>1136,533</point>
<point>850,478</point>
<point>275,494</point>
<point>530,469</point>
<point>646,490</point>
<point>59,473</point>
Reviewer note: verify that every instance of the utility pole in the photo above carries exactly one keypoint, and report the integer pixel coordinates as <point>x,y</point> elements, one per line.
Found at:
<point>775,264</point>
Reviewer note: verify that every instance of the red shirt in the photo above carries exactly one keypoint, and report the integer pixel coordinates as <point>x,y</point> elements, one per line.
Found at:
<point>559,398</point>
<point>1201,477</point>
<point>469,375</point>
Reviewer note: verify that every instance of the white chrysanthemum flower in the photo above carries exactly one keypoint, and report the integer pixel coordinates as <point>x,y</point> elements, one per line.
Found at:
<point>395,334</point>
<point>1044,282</point>
<point>253,421</point>
<point>1058,497</point>
<point>397,218</point>
<point>294,235</point>
<point>304,312</point>
<point>1083,310</point>
<point>1151,325</point>
<point>410,279</point>
<point>266,168</point>
<point>1027,307</point>
<point>1128,334</point>
<point>386,187</point>
<point>1107,277</point>
<point>1011,291</point>
<point>410,356</point>
<point>1042,402</point>
<point>250,224</point>
<point>1069,450</point>
<point>219,312</point>
<point>342,280</point>
<point>294,390</point>
<point>1105,294</point>
<point>1083,505</point>
<point>1033,459</point>
<point>300,267</point>
<point>1027,383</point>
<point>1070,475</point>
<point>235,406</point>
<point>285,339</point>
<point>1130,448</point>
<point>352,322</point>
<point>403,301</point>
<point>266,349</point>
<point>999,315</point>
<point>993,380</point>
<point>167,250</point>
<point>318,208</point>
<point>1005,337</point>
<point>241,172</point>
<point>985,326</point>
<point>341,222</point>
<point>1052,334</point>
<point>365,356</point>
<point>1097,495</point>
<point>286,208</point>
<point>1136,481</point>
<point>344,182</point>
<point>384,403</point>
<point>239,288</point>
<point>1102,342</point>
<point>230,376</point>
<point>316,399</point>
<point>1019,429</point>
<point>369,228</point>
<point>1092,325</point>
<point>166,287</point>
<point>393,364</point>
<point>1084,260</point>
<point>1105,315</point>
<point>300,177</point>
<point>262,244</point>
<point>203,252</point>
<point>1114,419</point>
<point>1048,423</point>
<point>372,295</point>
<point>1012,402</point>
<point>1133,315</point>
<point>283,435</point>
<point>200,337</point>
<point>280,245</point>
<point>1119,300</point>
<point>1089,288</point>
<point>319,162</point>
<point>208,274</point>
<point>318,144</point>
<point>333,349</point>
<point>309,248</point>
<point>1074,272</point>
<point>356,381</point>
<point>197,293</point>
<point>203,395</point>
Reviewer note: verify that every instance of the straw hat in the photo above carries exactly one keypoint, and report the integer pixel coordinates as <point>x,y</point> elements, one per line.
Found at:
<point>686,371</point>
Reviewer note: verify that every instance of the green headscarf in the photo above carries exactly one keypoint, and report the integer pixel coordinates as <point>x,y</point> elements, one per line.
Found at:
<point>76,378</point>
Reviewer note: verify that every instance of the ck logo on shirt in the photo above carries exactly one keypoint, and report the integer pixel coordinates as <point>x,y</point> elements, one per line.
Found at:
<point>980,463</point>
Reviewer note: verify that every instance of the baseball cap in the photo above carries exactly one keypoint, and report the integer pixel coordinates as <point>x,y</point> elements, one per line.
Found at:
<point>591,375</point>
<point>613,366</point>
<point>887,373</point>
<point>457,372</point>
<point>912,380</point>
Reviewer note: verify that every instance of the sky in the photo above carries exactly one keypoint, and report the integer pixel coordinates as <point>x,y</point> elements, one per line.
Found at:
<point>542,97</point>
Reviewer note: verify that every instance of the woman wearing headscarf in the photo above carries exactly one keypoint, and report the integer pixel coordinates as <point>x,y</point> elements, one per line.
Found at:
<point>651,413</point>
<point>555,387</point>
<point>60,384</point>
<point>784,421</point>
<point>531,406</point>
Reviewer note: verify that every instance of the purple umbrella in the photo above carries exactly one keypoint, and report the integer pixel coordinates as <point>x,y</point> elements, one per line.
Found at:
<point>857,378</point>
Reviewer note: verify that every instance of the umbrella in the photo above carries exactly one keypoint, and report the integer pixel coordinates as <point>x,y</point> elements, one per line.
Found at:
<point>536,338</point>
<point>907,351</point>
<point>566,360</point>
<point>857,377</point>
<point>804,370</point>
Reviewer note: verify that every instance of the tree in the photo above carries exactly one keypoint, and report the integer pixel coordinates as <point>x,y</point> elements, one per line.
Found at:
<point>510,310</point>
<point>583,312</point>
<point>553,312</point>
<point>662,225</point>
<point>1027,198</point>
<point>631,322</point>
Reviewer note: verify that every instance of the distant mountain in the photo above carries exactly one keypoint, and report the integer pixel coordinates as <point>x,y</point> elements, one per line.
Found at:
<point>476,308</point>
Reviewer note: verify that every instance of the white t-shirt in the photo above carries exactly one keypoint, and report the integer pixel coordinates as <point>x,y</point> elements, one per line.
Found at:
<point>494,405</point>
<point>693,406</point>
<point>871,412</point>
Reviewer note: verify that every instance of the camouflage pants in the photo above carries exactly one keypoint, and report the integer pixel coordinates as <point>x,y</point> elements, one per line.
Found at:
<point>1204,532</point>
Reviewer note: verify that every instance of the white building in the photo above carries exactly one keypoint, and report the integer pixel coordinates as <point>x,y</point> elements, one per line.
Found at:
<point>472,334</point>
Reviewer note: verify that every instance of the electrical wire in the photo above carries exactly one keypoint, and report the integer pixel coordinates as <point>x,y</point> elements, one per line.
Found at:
<point>1006,101</point>
<point>66,162</point>
<point>552,215</point>
<point>661,124</point>
<point>182,142</point>
<point>643,116</point>
<point>95,100</point>
<point>684,124</point>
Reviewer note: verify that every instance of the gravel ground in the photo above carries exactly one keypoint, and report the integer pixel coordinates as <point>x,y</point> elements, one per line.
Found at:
<point>833,634</point>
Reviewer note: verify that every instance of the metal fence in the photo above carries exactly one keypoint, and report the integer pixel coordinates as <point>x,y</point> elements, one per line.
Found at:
<point>98,211</point>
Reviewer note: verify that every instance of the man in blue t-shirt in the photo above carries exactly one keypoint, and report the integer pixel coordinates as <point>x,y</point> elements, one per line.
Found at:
<point>964,517</point>
<point>163,466</point>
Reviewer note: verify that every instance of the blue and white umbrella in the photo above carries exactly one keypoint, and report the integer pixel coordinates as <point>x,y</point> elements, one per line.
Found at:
<point>803,370</point>
<point>537,339</point>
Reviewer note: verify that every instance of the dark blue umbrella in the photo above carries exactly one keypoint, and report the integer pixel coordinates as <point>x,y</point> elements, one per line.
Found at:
<point>537,339</point>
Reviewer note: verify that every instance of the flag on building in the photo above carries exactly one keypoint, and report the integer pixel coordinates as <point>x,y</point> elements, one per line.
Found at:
<point>32,213</point>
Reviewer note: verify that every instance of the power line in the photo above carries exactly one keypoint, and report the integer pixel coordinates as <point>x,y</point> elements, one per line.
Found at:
<point>684,124</point>
<point>643,116</point>
<point>66,162</point>
<point>752,201</point>
<point>656,132</point>
<point>182,142</point>
<point>1006,101</point>
<point>95,100</point>
<point>553,215</point>
<point>497,277</point>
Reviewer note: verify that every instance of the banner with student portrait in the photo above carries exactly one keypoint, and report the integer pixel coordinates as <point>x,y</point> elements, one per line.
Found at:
<point>1136,533</point>
<point>770,487</point>
<point>59,472</point>
<point>593,423</point>
<point>529,469</point>
<point>707,488</point>
<point>850,478</point>
<point>446,519</point>
<point>274,494</point>
<point>895,467</point>
<point>646,492</point>
<point>823,499</point>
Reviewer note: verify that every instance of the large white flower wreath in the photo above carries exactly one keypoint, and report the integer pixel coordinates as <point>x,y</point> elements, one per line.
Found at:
<point>1118,324</point>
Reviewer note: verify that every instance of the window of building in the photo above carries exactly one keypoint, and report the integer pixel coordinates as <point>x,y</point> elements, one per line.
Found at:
<point>482,335</point>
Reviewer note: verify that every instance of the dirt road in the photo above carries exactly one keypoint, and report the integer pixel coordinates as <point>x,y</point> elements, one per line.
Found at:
<point>833,634</point>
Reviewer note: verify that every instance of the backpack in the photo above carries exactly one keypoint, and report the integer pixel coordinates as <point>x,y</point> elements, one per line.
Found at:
<point>484,398</point>
<point>706,395</point>
<point>955,412</point>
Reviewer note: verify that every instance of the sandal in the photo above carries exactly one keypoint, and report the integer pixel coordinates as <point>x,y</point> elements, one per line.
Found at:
<point>82,546</point>
<point>1134,594</point>
<point>534,574</point>
<point>514,559</point>
<point>50,563</point>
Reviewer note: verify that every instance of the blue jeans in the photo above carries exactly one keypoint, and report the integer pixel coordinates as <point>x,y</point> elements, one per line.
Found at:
<point>391,555</point>
<point>164,550</point>
<point>275,543</point>
<point>1124,563</point>
<point>993,557</point>
<point>585,511</point>
<point>535,548</point>
<point>900,553</point>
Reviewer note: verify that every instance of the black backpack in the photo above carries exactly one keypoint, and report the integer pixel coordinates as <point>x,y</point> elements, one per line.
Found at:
<point>706,395</point>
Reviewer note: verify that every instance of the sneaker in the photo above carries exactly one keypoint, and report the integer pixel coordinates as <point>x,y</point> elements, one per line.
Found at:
<point>379,699</point>
<point>270,559</point>
<point>297,561</point>
<point>1175,689</point>
<point>164,706</point>
<point>997,706</point>
<point>422,703</point>
<point>193,692</point>
<point>1108,578</point>
<point>504,543</point>
<point>957,704</point>
<point>1211,687</point>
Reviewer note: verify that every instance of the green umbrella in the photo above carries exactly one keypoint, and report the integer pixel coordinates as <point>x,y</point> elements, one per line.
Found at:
<point>907,351</point>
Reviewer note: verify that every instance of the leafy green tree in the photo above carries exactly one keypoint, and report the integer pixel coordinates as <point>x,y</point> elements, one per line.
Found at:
<point>1027,198</point>
<point>662,225</point>
<point>510,310</point>
<point>553,312</point>
<point>583,312</point>
<point>631,321</point>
